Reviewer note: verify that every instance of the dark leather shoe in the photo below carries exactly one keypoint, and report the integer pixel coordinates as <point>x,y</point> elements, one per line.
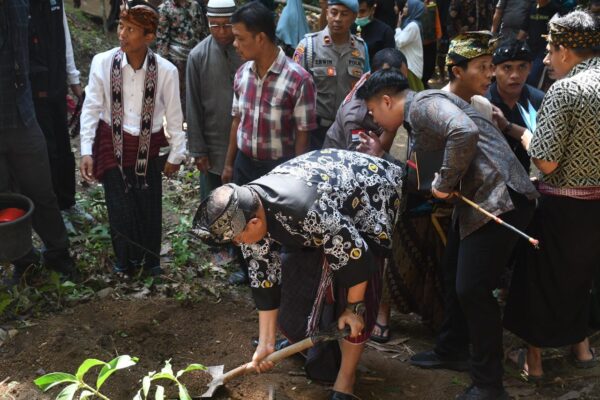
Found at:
<point>432,360</point>
<point>342,396</point>
<point>238,278</point>
<point>29,265</point>
<point>64,265</point>
<point>479,393</point>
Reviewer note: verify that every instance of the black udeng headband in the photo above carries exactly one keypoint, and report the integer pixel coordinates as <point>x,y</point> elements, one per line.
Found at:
<point>232,220</point>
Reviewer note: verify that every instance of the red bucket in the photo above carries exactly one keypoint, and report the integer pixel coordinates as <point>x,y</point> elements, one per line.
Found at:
<point>11,214</point>
<point>15,226</point>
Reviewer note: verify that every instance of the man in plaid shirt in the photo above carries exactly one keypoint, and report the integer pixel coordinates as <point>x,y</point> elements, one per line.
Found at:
<point>274,103</point>
<point>274,100</point>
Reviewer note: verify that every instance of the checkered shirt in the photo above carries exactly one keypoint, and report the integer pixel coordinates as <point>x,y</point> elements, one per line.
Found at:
<point>274,108</point>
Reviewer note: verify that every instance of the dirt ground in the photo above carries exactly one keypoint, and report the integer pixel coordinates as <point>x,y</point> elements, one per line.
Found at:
<point>209,333</point>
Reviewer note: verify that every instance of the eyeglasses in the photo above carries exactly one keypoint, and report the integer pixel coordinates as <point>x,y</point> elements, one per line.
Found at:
<point>220,26</point>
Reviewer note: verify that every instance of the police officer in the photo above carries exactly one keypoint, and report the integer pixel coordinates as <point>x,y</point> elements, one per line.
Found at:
<point>336,59</point>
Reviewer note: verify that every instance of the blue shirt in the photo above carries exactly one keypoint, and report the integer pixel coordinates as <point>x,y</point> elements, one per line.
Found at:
<point>16,103</point>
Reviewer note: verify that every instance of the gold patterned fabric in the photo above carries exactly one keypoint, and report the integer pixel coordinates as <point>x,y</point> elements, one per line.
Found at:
<point>563,36</point>
<point>470,45</point>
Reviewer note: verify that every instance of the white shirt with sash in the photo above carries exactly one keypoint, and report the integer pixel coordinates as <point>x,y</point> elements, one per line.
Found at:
<point>167,104</point>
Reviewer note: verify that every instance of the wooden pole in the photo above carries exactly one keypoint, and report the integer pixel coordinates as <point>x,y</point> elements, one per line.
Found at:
<point>534,242</point>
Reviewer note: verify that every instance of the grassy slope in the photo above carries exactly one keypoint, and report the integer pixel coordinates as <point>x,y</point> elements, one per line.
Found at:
<point>88,38</point>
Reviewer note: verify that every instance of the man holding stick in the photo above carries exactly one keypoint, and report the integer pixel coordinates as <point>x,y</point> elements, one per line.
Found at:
<point>477,161</point>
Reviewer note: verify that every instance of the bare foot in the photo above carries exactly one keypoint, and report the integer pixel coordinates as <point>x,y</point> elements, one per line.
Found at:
<point>529,361</point>
<point>582,350</point>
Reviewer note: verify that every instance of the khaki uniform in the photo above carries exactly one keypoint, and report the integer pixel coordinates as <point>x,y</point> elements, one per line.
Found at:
<point>335,70</point>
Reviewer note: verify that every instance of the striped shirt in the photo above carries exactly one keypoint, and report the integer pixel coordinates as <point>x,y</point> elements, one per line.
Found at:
<point>273,109</point>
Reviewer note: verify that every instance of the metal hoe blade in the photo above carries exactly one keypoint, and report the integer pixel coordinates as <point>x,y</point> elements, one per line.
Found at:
<point>216,371</point>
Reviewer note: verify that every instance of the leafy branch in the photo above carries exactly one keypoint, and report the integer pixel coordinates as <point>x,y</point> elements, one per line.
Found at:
<point>76,382</point>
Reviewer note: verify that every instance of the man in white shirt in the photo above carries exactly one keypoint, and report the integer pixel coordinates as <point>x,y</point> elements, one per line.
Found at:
<point>130,91</point>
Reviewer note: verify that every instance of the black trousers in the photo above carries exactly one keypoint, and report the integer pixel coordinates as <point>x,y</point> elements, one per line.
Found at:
<point>472,270</point>
<point>24,168</point>
<point>429,58</point>
<point>246,169</point>
<point>135,216</point>
<point>317,137</point>
<point>51,114</point>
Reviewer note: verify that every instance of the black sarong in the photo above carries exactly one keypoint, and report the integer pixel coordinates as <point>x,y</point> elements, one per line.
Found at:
<point>135,216</point>
<point>549,300</point>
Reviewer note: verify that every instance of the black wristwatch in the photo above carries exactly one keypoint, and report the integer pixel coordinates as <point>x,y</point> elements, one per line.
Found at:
<point>357,308</point>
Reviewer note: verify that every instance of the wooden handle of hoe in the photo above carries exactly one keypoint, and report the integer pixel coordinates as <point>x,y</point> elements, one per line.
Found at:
<point>274,357</point>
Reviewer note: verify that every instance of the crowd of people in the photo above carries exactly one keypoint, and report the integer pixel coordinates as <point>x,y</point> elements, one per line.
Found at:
<point>297,176</point>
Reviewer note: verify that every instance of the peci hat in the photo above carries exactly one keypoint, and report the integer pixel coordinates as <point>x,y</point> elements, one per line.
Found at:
<point>220,8</point>
<point>351,4</point>
<point>512,50</point>
<point>470,45</point>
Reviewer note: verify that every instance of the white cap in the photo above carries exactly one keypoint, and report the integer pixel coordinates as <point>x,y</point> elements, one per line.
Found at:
<point>220,8</point>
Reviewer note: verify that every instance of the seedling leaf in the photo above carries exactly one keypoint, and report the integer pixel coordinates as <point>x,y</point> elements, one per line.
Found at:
<point>86,394</point>
<point>160,393</point>
<point>183,393</point>
<point>114,365</point>
<point>146,385</point>
<point>68,392</point>
<point>85,367</point>
<point>48,381</point>
<point>191,367</point>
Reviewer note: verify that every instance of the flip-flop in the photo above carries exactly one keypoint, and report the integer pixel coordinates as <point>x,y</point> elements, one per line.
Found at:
<point>520,364</point>
<point>585,364</point>
<point>382,338</point>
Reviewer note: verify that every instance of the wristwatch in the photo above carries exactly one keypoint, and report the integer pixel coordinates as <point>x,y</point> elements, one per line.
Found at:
<point>357,308</point>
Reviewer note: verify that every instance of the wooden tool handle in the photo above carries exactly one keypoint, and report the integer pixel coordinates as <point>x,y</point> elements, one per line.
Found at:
<point>290,350</point>
<point>273,357</point>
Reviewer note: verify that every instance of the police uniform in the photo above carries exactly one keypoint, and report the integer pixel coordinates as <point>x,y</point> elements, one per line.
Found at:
<point>335,70</point>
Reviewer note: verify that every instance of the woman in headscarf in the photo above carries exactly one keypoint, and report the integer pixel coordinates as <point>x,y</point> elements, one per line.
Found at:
<point>409,39</point>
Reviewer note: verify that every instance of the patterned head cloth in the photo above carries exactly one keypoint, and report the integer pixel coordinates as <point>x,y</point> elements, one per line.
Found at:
<point>559,35</point>
<point>220,223</point>
<point>470,45</point>
<point>140,13</point>
<point>512,50</point>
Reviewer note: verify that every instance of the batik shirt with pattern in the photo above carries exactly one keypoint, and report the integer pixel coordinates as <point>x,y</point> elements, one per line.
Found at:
<point>180,28</point>
<point>568,129</point>
<point>342,202</point>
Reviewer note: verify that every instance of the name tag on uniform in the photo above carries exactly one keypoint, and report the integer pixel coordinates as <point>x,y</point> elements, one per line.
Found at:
<point>321,61</point>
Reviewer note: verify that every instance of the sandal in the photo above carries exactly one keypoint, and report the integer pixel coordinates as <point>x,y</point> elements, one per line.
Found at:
<point>520,362</point>
<point>384,337</point>
<point>122,274</point>
<point>585,364</point>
